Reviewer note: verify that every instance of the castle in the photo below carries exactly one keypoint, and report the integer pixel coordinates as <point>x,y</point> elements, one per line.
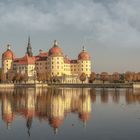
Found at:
<point>53,62</point>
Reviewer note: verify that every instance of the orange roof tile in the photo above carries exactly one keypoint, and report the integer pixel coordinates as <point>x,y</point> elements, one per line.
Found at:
<point>25,60</point>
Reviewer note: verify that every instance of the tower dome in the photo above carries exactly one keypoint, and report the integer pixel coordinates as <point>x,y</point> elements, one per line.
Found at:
<point>8,54</point>
<point>85,116</point>
<point>84,55</point>
<point>55,50</point>
<point>56,122</point>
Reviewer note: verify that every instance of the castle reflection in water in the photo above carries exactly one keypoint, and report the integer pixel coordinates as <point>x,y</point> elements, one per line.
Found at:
<point>54,105</point>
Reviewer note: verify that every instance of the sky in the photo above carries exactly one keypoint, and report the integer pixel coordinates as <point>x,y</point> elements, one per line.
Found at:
<point>109,29</point>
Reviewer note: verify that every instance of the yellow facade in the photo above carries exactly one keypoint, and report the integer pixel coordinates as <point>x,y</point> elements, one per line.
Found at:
<point>55,63</point>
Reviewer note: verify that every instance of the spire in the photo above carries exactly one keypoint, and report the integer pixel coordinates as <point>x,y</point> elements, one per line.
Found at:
<point>8,46</point>
<point>8,125</point>
<point>55,43</point>
<point>84,49</point>
<point>84,124</point>
<point>28,125</point>
<point>55,131</point>
<point>29,39</point>
<point>29,48</point>
<point>29,43</point>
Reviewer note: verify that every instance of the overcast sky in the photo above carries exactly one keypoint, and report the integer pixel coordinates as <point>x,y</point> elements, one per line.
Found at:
<point>109,29</point>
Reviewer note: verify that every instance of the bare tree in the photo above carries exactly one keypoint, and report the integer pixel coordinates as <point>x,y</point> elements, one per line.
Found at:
<point>129,76</point>
<point>39,77</point>
<point>92,77</point>
<point>25,77</point>
<point>116,77</point>
<point>82,77</point>
<point>138,76</point>
<point>135,77</point>
<point>0,74</point>
<point>104,76</point>
<point>17,77</point>
<point>47,77</point>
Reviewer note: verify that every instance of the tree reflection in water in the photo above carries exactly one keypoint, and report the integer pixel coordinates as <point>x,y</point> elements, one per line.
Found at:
<point>54,104</point>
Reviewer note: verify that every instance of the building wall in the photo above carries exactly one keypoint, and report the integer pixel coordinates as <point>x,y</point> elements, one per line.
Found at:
<point>55,66</point>
<point>41,66</point>
<point>84,66</point>
<point>28,69</point>
<point>7,66</point>
<point>67,69</point>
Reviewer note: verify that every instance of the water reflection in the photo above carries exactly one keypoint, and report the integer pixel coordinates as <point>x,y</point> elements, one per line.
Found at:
<point>54,105</point>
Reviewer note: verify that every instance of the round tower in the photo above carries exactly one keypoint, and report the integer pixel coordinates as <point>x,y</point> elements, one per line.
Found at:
<point>55,60</point>
<point>7,111</point>
<point>84,108</point>
<point>7,64</point>
<point>84,62</point>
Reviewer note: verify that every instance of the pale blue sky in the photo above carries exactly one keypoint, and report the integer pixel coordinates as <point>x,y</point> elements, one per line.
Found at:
<point>109,29</point>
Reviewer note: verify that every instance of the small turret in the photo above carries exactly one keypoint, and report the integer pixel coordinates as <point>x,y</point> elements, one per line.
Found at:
<point>8,54</point>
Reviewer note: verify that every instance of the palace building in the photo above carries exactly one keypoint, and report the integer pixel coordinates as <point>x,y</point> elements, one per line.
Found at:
<point>53,62</point>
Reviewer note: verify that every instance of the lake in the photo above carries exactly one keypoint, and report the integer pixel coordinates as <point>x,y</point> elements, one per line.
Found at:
<point>69,114</point>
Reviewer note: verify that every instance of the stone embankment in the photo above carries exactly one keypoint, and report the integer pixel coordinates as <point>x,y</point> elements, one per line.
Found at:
<point>67,85</point>
<point>6,86</point>
<point>106,85</point>
<point>28,85</point>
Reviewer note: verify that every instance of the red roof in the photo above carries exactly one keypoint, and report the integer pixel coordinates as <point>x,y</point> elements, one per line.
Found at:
<point>25,60</point>
<point>84,55</point>
<point>73,61</point>
<point>55,50</point>
<point>56,122</point>
<point>66,60</point>
<point>84,116</point>
<point>42,56</point>
<point>8,54</point>
<point>8,118</point>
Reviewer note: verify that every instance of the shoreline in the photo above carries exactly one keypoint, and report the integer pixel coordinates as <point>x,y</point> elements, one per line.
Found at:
<point>68,85</point>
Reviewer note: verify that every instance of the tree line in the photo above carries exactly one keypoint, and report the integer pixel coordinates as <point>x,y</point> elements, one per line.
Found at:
<point>103,76</point>
<point>115,77</point>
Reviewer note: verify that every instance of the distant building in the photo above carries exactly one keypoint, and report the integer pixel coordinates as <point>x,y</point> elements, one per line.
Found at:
<point>53,62</point>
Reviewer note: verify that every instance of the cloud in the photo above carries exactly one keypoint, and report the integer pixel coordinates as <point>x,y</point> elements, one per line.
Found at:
<point>106,22</point>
